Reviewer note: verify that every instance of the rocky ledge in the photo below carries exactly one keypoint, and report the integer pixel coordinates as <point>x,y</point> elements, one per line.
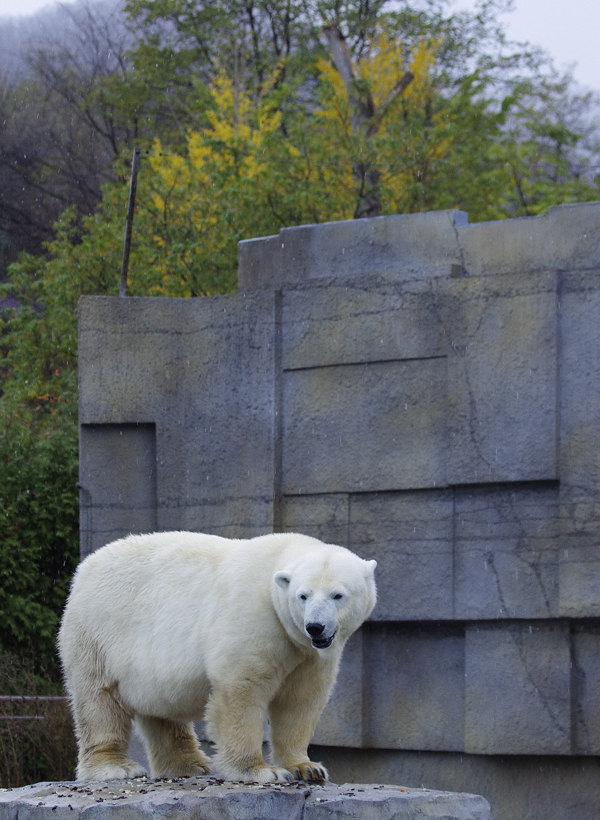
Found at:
<point>208,798</point>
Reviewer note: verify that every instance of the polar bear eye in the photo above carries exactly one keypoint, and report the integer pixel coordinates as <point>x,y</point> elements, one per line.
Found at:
<point>338,596</point>
<point>302,597</point>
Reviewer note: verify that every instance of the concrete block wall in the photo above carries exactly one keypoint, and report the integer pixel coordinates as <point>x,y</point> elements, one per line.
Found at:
<point>426,392</point>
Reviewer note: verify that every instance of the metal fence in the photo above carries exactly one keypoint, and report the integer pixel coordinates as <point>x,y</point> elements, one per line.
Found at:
<point>29,699</point>
<point>37,741</point>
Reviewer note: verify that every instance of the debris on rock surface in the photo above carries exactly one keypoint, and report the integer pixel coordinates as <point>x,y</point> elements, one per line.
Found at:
<point>210,796</point>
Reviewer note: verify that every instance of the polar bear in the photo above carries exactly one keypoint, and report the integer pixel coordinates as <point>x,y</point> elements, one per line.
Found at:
<point>171,627</point>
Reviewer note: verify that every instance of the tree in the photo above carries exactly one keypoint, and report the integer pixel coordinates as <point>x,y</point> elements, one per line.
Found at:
<point>59,135</point>
<point>365,117</point>
<point>39,540</point>
<point>68,121</point>
<point>97,83</point>
<point>550,146</point>
<point>39,536</point>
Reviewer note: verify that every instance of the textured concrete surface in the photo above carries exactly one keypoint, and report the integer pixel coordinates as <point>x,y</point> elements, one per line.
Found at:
<point>391,244</point>
<point>204,797</point>
<point>410,534</point>
<point>427,393</point>
<point>122,501</point>
<point>528,709</point>
<point>502,378</point>
<point>512,572</point>
<point>415,682</point>
<point>340,723</point>
<point>164,362</point>
<point>364,427</point>
<point>586,691</point>
<point>333,324</point>
<point>518,787</point>
<point>566,238</point>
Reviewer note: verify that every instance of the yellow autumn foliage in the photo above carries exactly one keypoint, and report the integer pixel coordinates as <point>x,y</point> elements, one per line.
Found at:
<point>245,175</point>
<point>411,133</point>
<point>192,204</point>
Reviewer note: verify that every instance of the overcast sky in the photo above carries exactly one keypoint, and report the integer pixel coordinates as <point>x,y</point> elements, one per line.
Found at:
<point>570,30</point>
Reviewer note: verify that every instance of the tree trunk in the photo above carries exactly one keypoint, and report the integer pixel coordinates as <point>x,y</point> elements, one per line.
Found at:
<point>364,117</point>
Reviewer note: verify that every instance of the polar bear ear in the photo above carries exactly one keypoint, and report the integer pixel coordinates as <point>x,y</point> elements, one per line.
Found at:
<point>371,565</point>
<point>282,579</point>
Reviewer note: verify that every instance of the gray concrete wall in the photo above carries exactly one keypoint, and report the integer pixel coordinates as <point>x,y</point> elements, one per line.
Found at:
<point>426,392</point>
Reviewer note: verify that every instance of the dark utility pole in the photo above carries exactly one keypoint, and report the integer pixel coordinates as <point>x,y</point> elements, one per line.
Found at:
<point>129,223</point>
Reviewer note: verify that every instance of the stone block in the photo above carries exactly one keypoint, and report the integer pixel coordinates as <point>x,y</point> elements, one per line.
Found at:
<point>579,576</point>
<point>203,371</point>
<point>518,688</point>
<point>579,571</point>
<point>367,427</point>
<point>259,263</point>
<point>415,685</point>
<point>410,535</point>
<point>506,552</point>
<point>322,516</point>
<point>419,244</point>
<point>234,517</point>
<point>516,786</point>
<point>130,354</point>
<point>341,723</point>
<point>502,379</point>
<point>386,802</point>
<point>117,474</point>
<point>102,526</point>
<point>227,374</point>
<point>410,245</point>
<point>579,397</point>
<point>586,667</point>
<point>566,238</point>
<point>360,323</point>
<point>206,797</point>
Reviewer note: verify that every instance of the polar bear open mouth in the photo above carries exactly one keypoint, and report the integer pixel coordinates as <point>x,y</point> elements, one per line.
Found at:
<point>323,643</point>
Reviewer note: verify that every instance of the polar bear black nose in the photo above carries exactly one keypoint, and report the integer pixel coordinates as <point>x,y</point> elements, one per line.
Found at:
<point>314,629</point>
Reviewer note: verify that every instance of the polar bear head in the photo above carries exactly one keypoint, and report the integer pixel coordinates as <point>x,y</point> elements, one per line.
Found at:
<point>324,596</point>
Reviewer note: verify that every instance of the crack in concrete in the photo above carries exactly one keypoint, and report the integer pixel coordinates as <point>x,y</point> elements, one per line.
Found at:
<point>543,699</point>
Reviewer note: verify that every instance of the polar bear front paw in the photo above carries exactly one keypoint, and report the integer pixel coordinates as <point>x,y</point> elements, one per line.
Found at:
<point>200,770</point>
<point>259,773</point>
<point>272,774</point>
<point>309,771</point>
<point>124,769</point>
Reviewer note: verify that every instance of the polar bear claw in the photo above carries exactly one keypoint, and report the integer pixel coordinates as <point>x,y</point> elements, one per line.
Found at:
<point>309,771</point>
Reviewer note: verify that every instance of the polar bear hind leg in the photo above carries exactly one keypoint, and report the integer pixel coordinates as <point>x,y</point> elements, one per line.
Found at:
<point>172,747</point>
<point>103,730</point>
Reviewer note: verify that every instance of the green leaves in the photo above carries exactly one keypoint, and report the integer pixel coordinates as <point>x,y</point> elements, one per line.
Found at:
<point>38,535</point>
<point>546,147</point>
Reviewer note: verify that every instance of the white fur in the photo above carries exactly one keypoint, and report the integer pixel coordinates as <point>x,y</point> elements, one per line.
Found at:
<point>172,627</point>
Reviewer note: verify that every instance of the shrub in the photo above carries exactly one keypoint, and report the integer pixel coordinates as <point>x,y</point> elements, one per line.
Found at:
<point>38,538</point>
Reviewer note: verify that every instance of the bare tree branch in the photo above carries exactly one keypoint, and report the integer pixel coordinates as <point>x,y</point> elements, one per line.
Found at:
<point>362,107</point>
<point>384,106</point>
<point>365,117</point>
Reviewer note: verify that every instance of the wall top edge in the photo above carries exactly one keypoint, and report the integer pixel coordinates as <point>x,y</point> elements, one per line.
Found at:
<point>422,246</point>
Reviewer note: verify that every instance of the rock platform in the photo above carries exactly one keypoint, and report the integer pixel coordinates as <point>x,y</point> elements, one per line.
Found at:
<point>208,798</point>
